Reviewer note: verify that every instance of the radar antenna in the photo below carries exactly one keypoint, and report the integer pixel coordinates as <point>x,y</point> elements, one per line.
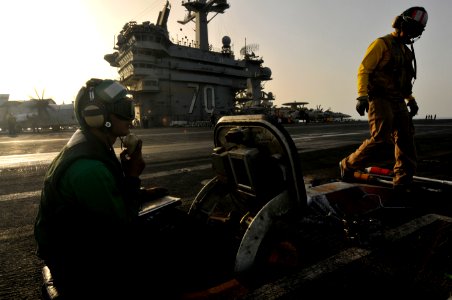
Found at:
<point>248,50</point>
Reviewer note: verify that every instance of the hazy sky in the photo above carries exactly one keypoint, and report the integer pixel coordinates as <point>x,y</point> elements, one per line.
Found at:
<point>313,47</point>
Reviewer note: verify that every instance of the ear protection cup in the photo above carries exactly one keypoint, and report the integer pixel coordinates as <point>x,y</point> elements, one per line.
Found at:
<point>93,116</point>
<point>94,113</point>
<point>397,22</point>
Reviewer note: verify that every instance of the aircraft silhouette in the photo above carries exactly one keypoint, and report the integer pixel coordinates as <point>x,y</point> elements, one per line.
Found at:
<point>297,111</point>
<point>35,114</point>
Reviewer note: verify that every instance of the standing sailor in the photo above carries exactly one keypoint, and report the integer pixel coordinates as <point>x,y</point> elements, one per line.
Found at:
<point>385,81</point>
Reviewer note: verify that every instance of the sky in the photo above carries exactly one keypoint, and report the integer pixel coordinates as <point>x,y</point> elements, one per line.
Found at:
<point>51,48</point>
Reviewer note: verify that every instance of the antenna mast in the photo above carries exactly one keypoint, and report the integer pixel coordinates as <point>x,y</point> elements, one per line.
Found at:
<point>199,9</point>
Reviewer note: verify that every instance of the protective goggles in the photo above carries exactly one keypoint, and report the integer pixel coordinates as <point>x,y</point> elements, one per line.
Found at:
<point>124,109</point>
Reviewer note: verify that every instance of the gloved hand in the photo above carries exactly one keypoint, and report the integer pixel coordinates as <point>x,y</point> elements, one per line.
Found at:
<point>362,105</point>
<point>413,108</point>
<point>133,164</point>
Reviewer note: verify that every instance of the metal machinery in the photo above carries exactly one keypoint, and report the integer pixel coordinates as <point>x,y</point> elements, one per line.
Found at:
<point>265,229</point>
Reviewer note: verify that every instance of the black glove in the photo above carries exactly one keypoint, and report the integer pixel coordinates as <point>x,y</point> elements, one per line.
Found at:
<point>133,164</point>
<point>362,105</point>
<point>412,105</point>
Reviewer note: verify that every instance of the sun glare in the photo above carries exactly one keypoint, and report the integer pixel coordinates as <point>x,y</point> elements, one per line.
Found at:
<point>52,49</point>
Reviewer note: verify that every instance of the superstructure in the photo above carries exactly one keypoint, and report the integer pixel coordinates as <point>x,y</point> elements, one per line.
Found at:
<point>184,82</point>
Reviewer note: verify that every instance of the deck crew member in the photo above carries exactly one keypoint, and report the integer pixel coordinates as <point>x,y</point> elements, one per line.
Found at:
<point>85,228</point>
<point>385,80</point>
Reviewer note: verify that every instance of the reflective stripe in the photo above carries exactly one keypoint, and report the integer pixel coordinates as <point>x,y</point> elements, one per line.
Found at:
<point>420,16</point>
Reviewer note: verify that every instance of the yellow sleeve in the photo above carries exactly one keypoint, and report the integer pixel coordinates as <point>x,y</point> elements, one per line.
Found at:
<point>374,55</point>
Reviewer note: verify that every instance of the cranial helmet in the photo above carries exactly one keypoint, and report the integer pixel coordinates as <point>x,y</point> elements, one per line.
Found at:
<point>100,98</point>
<point>412,22</point>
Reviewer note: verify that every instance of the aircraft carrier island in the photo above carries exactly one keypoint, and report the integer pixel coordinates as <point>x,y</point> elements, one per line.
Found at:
<point>185,82</point>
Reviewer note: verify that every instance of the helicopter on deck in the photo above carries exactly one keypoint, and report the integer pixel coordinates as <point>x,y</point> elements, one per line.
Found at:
<point>34,114</point>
